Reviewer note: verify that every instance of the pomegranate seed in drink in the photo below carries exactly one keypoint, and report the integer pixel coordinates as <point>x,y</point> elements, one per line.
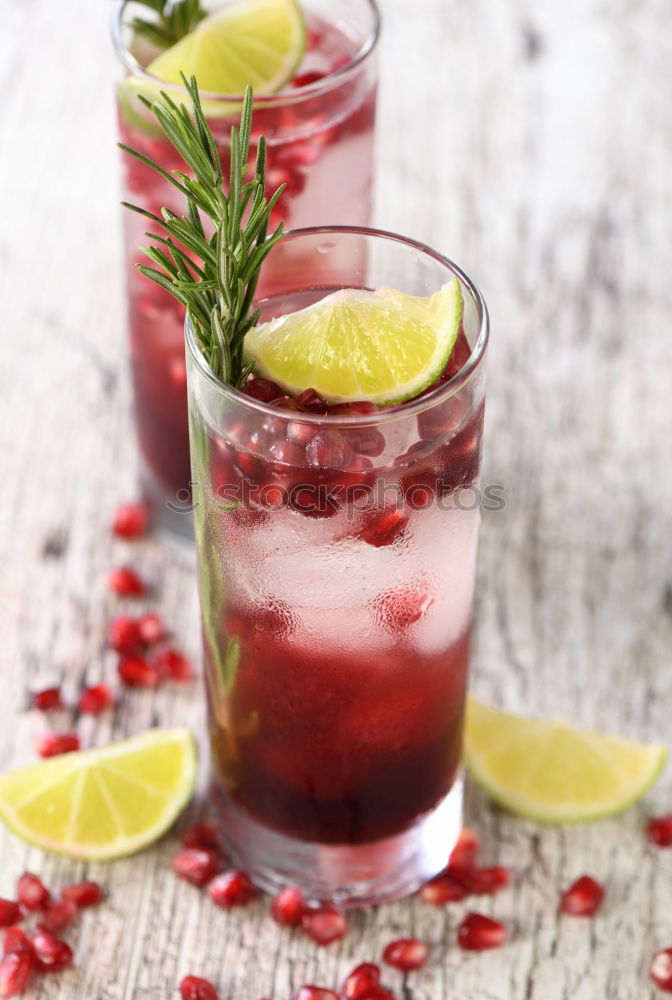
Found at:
<point>151,629</point>
<point>288,906</point>
<point>130,520</point>
<point>47,700</point>
<point>10,912</point>
<point>308,992</point>
<point>95,699</point>
<point>287,453</point>
<point>478,933</point>
<point>57,916</point>
<point>362,982</point>
<point>52,744</point>
<point>306,79</point>
<point>196,865</point>
<point>263,390</point>
<point>384,527</point>
<point>311,400</point>
<point>15,970</point>
<point>136,672</point>
<point>465,852</point>
<point>324,924</point>
<point>32,893</point>
<point>231,889</point>
<point>16,940</point>
<point>83,894</point>
<point>195,988</point>
<point>123,634</point>
<point>659,831</point>
<point>126,582</point>
<point>328,449</point>
<point>201,834</point>
<point>583,899</point>
<point>443,889</point>
<point>51,953</point>
<point>482,881</point>
<point>660,970</point>
<point>300,434</point>
<point>172,665</point>
<point>406,954</point>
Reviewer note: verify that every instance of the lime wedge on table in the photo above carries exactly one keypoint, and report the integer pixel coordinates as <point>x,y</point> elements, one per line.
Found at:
<point>549,771</point>
<point>382,346</point>
<point>102,803</point>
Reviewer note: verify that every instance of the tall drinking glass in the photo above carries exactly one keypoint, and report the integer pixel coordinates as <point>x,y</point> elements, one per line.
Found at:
<point>336,558</point>
<point>320,137</point>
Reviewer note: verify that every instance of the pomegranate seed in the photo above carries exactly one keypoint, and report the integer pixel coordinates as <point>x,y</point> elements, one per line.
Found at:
<point>16,940</point>
<point>196,865</point>
<point>195,988</point>
<point>465,852</point>
<point>231,889</point>
<point>53,744</point>
<point>130,520</point>
<point>287,453</point>
<point>136,672</point>
<point>32,893</point>
<point>583,898</point>
<point>58,916</point>
<point>311,400</point>
<point>10,912</point>
<point>406,954</point>
<point>172,665</point>
<point>361,982</point>
<point>481,881</point>
<point>263,390</point>
<point>478,933</point>
<point>324,924</point>
<point>151,629</point>
<point>83,894</point>
<point>315,993</point>
<point>47,700</point>
<point>95,699</point>
<point>380,994</point>
<point>660,970</point>
<point>300,434</point>
<point>384,527</point>
<point>123,634</point>
<point>306,79</point>
<point>659,831</point>
<point>201,835</point>
<point>443,889</point>
<point>351,409</point>
<point>51,954</point>
<point>288,907</point>
<point>328,449</point>
<point>126,582</point>
<point>15,970</point>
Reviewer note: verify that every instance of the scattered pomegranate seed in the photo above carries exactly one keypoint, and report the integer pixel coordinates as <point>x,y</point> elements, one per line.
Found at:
<point>583,898</point>
<point>195,988</point>
<point>51,954</point>
<point>478,933</point>
<point>10,912</point>
<point>660,970</point>
<point>16,940</point>
<point>315,993</point>
<point>130,520</point>
<point>263,390</point>
<point>151,629</point>
<point>231,889</point>
<point>95,699</point>
<point>15,970</point>
<point>482,881</point>
<point>123,634</point>
<point>324,924</point>
<point>83,894</point>
<point>125,581</point>
<point>47,700</point>
<point>202,834</point>
<point>659,831</point>
<point>362,982</point>
<point>406,954</point>
<point>384,527</point>
<point>443,889</point>
<point>196,865</point>
<point>172,665</point>
<point>32,893</point>
<point>52,744</point>
<point>58,916</point>
<point>465,852</point>
<point>136,672</point>
<point>288,907</point>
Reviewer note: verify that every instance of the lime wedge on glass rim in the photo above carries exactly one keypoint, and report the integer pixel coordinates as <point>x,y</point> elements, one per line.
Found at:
<point>256,42</point>
<point>102,803</point>
<point>549,771</point>
<point>383,346</point>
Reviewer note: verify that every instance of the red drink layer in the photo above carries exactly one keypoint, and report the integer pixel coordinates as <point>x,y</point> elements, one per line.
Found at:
<point>320,146</point>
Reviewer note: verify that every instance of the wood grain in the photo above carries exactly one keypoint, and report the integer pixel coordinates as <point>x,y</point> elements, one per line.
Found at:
<point>531,142</point>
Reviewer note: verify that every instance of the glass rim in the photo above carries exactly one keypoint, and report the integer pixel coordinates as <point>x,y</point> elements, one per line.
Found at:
<point>263,100</point>
<point>385,414</point>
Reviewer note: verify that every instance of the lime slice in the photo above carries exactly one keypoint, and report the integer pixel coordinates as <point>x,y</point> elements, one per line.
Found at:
<point>551,772</point>
<point>381,346</point>
<point>102,803</point>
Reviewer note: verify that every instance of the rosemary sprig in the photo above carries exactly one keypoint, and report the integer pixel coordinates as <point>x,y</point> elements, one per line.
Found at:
<point>174,19</point>
<point>215,277</point>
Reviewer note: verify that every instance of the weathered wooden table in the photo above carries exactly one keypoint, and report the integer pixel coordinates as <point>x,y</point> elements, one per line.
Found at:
<point>531,142</point>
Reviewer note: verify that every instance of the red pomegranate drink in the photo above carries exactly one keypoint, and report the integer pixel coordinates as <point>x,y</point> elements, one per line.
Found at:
<point>319,124</point>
